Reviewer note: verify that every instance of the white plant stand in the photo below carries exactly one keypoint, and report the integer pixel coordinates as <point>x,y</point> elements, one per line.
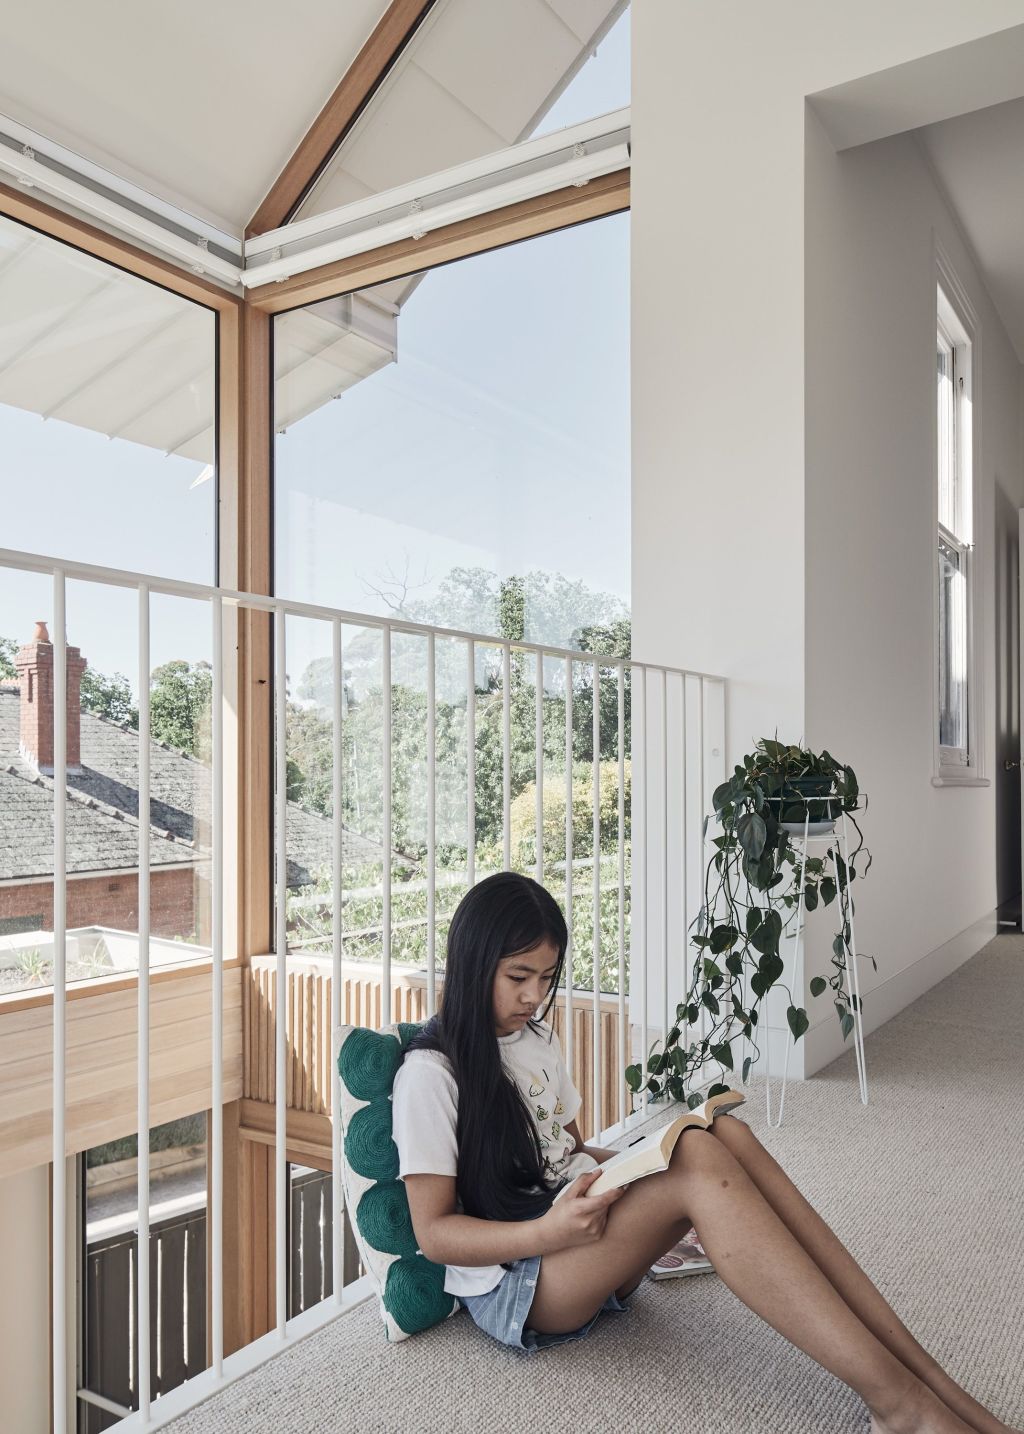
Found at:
<point>838,835</point>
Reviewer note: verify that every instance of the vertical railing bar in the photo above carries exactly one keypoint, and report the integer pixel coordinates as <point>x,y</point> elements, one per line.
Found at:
<point>431,825</point>
<point>539,770</point>
<point>640,846</point>
<point>621,752</point>
<point>388,874</point>
<point>337,770</point>
<point>142,1162</point>
<point>597,1034</point>
<point>684,840</point>
<point>471,763</point>
<point>664,859</point>
<point>281,1013</point>
<point>60,778</point>
<point>217,974</point>
<point>506,755</point>
<point>568,866</point>
<point>704,1015</point>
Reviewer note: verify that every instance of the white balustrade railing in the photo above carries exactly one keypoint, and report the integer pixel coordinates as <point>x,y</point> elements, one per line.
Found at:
<point>676,739</point>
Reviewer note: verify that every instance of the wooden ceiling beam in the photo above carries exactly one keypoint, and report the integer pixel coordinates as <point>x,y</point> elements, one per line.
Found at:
<point>357,87</point>
<point>526,220</point>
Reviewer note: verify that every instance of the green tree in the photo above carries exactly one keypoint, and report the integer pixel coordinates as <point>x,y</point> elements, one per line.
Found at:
<point>180,698</point>
<point>109,697</point>
<point>8,671</point>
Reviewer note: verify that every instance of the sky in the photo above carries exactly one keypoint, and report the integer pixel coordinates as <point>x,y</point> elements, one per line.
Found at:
<point>498,439</point>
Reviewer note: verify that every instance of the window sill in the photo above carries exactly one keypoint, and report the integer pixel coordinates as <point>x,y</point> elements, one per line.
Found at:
<point>960,779</point>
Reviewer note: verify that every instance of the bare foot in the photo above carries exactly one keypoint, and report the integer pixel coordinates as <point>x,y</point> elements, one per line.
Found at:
<point>920,1412</point>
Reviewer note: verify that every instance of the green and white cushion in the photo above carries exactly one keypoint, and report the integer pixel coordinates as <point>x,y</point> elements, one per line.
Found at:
<point>410,1287</point>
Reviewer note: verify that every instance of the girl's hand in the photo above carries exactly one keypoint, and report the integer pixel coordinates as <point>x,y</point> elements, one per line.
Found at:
<point>578,1218</point>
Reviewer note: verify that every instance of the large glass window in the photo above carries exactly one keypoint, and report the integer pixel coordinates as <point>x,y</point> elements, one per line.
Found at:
<point>453,449</point>
<point>107,457</point>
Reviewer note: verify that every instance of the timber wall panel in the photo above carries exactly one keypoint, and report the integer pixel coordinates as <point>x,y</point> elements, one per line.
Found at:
<point>309,1041</point>
<point>102,1090</point>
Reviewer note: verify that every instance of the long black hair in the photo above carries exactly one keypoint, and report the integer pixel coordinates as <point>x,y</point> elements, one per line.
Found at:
<point>500,1165</point>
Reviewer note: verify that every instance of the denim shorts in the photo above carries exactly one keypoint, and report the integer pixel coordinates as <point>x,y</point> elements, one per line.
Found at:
<point>503,1311</point>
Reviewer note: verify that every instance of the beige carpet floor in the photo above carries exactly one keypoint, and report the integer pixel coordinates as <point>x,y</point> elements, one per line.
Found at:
<point>923,1186</point>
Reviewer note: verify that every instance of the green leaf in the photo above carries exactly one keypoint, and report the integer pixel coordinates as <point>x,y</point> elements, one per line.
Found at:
<point>751,833</point>
<point>828,890</point>
<point>694,1099</point>
<point>754,918</point>
<point>798,1022</point>
<point>722,1054</point>
<point>818,984</point>
<point>746,1069</point>
<point>838,945</point>
<point>712,968</point>
<point>710,1001</point>
<point>847,1024</point>
<point>734,963</point>
<point>721,795</point>
<point>722,938</point>
<point>811,898</point>
<point>717,1089</point>
<point>766,938</point>
<point>692,1012</point>
<point>633,1077</point>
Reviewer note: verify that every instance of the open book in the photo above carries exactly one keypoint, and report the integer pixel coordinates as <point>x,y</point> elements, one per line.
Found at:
<point>649,1154</point>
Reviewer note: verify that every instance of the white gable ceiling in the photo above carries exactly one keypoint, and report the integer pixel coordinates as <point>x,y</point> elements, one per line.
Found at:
<point>977,158</point>
<point>477,76</point>
<point>202,102</point>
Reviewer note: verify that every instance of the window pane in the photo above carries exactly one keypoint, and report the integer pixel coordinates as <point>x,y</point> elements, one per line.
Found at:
<point>120,474</point>
<point>480,436</point>
<point>952,648</point>
<point>177,1262</point>
<point>946,436</point>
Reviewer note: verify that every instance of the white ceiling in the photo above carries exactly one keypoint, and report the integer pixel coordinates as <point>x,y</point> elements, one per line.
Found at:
<point>979,160</point>
<point>202,102</point>
<point>477,76</point>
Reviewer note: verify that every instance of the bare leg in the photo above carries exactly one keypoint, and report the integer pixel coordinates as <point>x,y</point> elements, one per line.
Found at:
<point>867,1303</point>
<point>760,1261</point>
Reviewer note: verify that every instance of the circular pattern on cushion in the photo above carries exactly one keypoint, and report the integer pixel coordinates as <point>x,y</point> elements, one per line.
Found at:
<point>369,1148</point>
<point>406,1031</point>
<point>367,1063</point>
<point>414,1294</point>
<point>384,1220</point>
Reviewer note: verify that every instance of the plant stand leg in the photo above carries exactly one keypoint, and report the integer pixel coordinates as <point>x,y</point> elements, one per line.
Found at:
<point>858,1019</point>
<point>798,969</point>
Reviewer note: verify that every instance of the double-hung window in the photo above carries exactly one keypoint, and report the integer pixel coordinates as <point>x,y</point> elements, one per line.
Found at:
<point>957,726</point>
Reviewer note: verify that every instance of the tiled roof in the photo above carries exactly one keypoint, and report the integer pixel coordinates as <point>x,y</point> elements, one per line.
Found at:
<point>103,806</point>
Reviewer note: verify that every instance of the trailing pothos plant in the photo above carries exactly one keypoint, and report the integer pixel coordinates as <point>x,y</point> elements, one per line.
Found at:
<point>752,890</point>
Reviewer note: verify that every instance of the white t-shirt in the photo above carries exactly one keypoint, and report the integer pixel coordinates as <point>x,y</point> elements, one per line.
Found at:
<point>425,1106</point>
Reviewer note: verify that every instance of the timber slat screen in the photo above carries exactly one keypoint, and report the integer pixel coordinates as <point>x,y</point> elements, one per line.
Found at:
<point>177,1278</point>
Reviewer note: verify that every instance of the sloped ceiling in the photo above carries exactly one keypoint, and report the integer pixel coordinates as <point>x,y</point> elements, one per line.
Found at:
<point>477,76</point>
<point>202,102</point>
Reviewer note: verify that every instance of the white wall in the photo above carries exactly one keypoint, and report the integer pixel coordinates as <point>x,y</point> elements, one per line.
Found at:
<point>871,214</point>
<point>725,399</point>
<point>24,1302</point>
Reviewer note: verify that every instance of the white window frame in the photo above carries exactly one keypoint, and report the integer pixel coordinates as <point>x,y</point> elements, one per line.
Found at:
<point>957,321</point>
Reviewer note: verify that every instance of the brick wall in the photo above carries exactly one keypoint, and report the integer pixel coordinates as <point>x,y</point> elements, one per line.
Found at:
<point>111,901</point>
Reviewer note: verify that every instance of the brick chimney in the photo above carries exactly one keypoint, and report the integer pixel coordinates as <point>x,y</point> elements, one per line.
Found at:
<point>34,662</point>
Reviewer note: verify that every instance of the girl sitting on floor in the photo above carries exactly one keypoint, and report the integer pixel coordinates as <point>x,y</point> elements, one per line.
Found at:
<point>485,1124</point>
